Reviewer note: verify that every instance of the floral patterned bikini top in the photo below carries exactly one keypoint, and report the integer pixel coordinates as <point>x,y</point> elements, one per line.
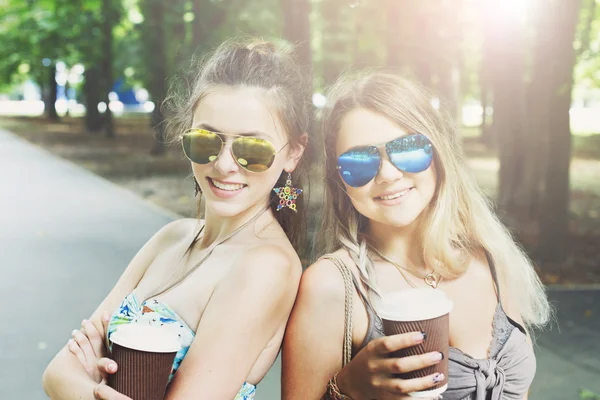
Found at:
<point>155,313</point>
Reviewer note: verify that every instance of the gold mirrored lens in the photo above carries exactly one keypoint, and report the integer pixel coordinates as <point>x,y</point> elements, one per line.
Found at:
<point>201,146</point>
<point>254,154</point>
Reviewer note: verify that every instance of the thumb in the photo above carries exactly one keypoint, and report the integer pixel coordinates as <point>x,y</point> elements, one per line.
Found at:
<point>104,392</point>
<point>107,366</point>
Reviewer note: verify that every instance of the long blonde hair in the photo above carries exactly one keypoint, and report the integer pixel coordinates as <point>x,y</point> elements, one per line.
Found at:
<point>458,222</point>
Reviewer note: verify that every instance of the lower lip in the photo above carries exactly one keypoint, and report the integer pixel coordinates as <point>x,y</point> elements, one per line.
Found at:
<point>224,194</point>
<point>397,200</point>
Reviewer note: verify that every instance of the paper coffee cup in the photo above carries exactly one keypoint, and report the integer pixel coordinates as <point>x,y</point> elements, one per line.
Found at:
<point>419,310</point>
<point>144,355</point>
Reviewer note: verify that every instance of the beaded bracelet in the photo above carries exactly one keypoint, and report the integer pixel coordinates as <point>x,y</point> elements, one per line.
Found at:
<point>333,392</point>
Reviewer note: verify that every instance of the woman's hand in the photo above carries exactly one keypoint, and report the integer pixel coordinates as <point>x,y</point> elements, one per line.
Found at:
<point>88,346</point>
<point>103,391</point>
<point>370,375</point>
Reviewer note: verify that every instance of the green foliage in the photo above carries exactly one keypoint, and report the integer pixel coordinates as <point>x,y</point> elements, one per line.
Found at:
<point>425,38</point>
<point>587,71</point>
<point>587,395</point>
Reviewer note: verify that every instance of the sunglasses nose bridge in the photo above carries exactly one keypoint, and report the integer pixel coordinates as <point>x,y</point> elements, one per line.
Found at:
<point>225,162</point>
<point>387,172</point>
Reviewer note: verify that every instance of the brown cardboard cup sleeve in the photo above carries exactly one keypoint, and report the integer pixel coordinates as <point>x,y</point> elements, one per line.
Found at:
<point>419,310</point>
<point>144,355</point>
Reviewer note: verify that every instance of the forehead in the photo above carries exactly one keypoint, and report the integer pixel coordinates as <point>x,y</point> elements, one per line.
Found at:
<point>237,110</point>
<point>362,127</point>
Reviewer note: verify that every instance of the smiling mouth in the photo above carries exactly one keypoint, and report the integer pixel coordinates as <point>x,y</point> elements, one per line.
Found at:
<point>394,195</point>
<point>230,187</point>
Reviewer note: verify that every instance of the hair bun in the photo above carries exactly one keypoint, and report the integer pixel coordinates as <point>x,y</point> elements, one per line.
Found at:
<point>262,47</point>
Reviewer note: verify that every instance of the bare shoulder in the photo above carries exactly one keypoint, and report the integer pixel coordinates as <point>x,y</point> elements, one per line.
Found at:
<point>323,279</point>
<point>479,269</point>
<point>175,232</point>
<point>269,264</point>
<point>179,229</point>
<point>481,273</point>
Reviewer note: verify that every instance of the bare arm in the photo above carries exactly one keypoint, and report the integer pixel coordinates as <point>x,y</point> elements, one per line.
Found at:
<point>312,350</point>
<point>312,347</point>
<point>244,313</point>
<point>65,378</point>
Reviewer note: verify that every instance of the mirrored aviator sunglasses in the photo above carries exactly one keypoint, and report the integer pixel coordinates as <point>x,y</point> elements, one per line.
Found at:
<point>251,153</point>
<point>411,153</point>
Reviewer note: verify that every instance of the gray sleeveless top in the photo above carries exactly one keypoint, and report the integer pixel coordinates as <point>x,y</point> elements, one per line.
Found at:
<point>505,375</point>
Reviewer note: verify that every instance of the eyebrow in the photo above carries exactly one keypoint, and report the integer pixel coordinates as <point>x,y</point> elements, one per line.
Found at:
<point>215,130</point>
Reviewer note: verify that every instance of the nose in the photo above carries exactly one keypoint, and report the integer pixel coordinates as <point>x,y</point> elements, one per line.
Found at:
<point>387,171</point>
<point>225,163</point>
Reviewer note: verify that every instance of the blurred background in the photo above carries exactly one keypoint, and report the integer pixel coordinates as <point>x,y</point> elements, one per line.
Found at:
<point>84,79</point>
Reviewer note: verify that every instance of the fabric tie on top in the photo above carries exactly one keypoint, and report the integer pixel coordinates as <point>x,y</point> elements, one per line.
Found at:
<point>500,377</point>
<point>489,376</point>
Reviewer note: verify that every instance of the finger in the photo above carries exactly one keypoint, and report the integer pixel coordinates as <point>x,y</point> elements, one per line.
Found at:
<point>388,366</point>
<point>95,338</point>
<point>388,344</point>
<point>105,321</point>
<point>84,343</point>
<point>105,392</point>
<point>107,366</point>
<point>405,386</point>
<point>77,352</point>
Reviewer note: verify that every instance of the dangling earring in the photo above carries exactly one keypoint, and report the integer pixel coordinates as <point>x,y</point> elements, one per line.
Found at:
<point>287,194</point>
<point>196,187</point>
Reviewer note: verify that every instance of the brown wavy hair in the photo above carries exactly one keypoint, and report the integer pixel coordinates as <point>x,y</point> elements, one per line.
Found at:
<point>251,62</point>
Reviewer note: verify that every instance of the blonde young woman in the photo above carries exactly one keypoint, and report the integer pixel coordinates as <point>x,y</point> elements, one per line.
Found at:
<point>402,211</point>
<point>225,284</point>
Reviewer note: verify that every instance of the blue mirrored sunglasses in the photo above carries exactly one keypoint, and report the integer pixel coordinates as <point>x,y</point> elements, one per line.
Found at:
<point>359,165</point>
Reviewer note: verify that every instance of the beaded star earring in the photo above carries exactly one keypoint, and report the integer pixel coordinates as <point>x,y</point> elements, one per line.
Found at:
<point>287,194</point>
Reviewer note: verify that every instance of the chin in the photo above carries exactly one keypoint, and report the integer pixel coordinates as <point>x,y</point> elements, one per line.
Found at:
<point>401,217</point>
<point>226,210</point>
<point>398,221</point>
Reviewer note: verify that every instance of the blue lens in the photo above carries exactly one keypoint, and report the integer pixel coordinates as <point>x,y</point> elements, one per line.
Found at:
<point>358,166</point>
<point>411,153</point>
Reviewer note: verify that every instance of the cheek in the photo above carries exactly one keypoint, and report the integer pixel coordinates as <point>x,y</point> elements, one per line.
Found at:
<point>200,172</point>
<point>429,182</point>
<point>359,197</point>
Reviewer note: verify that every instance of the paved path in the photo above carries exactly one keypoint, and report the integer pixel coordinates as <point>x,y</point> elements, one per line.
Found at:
<point>66,235</point>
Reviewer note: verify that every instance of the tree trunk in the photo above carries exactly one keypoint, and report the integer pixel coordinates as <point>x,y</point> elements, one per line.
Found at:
<point>208,16</point>
<point>92,92</point>
<point>50,98</point>
<point>554,218</point>
<point>296,28</point>
<point>336,45</point>
<point>107,58</point>
<point>197,31</point>
<point>158,71</point>
<point>507,80</point>
<point>484,128</point>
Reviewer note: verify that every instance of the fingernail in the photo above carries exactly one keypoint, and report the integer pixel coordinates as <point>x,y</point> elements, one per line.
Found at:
<point>437,356</point>
<point>70,341</point>
<point>112,367</point>
<point>437,378</point>
<point>83,322</point>
<point>419,337</point>
<point>74,332</point>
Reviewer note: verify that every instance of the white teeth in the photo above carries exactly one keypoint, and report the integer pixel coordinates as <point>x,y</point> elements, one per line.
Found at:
<point>227,186</point>
<point>395,195</point>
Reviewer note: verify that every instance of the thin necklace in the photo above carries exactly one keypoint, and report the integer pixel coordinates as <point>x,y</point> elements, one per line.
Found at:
<point>202,260</point>
<point>430,279</point>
